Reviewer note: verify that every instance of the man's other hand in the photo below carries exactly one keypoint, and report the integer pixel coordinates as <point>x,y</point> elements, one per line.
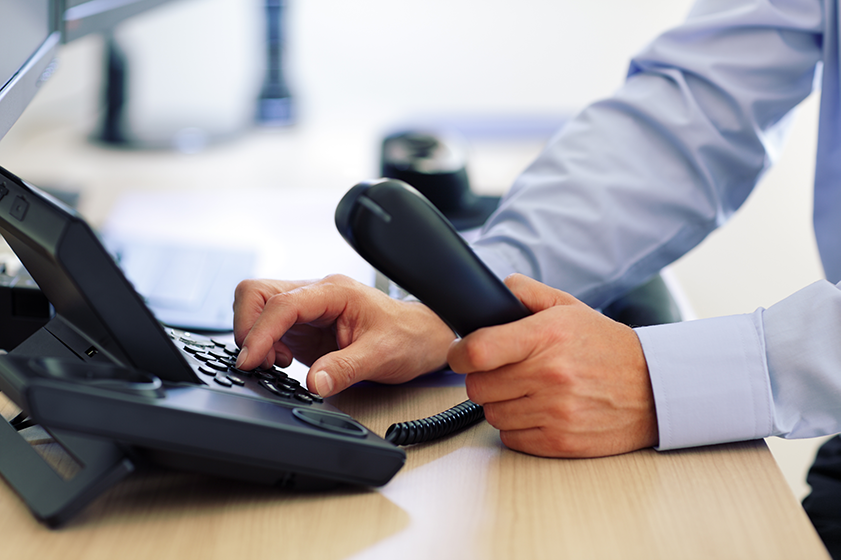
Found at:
<point>563,382</point>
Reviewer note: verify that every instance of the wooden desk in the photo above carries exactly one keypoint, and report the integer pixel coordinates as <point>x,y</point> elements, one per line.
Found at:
<point>465,497</point>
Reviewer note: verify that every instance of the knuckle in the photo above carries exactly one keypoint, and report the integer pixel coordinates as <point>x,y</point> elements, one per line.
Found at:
<point>562,443</point>
<point>344,370</point>
<point>566,413</point>
<point>278,300</point>
<point>559,337</point>
<point>473,384</point>
<point>337,280</point>
<point>561,375</point>
<point>515,440</point>
<point>341,287</point>
<point>476,354</point>
<point>492,415</point>
<point>243,288</point>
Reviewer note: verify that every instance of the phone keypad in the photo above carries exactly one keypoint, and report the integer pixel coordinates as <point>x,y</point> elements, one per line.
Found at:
<point>216,362</point>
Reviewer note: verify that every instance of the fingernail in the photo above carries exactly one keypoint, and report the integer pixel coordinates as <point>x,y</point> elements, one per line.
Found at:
<point>243,354</point>
<point>323,384</point>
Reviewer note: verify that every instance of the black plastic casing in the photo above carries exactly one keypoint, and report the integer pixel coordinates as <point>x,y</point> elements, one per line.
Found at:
<point>99,315</point>
<point>199,429</point>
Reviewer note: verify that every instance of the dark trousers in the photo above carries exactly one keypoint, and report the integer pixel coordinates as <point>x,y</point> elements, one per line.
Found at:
<point>823,505</point>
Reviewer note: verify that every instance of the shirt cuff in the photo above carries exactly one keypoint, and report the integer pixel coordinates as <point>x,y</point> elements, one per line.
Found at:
<point>710,380</point>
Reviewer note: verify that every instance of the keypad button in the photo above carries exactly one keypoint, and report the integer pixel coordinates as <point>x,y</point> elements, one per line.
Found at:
<point>223,380</point>
<point>236,380</point>
<point>218,365</point>
<point>196,342</point>
<point>290,384</point>
<point>303,396</point>
<point>207,370</point>
<point>228,360</point>
<point>274,389</point>
<point>204,356</point>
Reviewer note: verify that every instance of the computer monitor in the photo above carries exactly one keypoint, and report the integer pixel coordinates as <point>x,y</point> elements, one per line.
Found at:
<point>30,34</point>
<point>81,17</point>
<point>29,39</point>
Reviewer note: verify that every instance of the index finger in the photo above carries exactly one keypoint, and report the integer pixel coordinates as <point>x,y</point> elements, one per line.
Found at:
<point>318,304</point>
<point>493,347</point>
<point>250,298</point>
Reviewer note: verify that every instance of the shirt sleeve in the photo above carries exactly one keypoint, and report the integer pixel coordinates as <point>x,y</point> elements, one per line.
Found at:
<point>710,380</point>
<point>771,373</point>
<point>637,180</point>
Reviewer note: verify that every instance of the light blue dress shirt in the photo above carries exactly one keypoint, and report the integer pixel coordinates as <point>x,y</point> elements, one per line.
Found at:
<point>637,180</point>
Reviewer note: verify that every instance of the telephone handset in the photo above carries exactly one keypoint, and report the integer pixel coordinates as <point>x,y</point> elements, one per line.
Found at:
<point>399,232</point>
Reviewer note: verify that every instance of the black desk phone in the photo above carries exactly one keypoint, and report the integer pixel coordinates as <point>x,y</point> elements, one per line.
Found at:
<point>113,386</point>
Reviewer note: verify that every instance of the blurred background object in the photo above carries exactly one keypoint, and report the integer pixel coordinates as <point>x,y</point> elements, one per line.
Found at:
<point>435,163</point>
<point>275,106</point>
<point>170,97</point>
<point>173,78</point>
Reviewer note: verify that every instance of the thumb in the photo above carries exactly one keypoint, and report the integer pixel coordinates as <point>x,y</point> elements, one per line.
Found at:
<point>537,296</point>
<point>336,371</point>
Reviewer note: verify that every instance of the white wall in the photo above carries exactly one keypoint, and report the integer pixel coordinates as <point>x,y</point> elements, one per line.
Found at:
<point>466,55</point>
<point>384,59</point>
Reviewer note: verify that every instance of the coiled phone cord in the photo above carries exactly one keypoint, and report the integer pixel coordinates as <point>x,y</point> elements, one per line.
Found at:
<point>427,429</point>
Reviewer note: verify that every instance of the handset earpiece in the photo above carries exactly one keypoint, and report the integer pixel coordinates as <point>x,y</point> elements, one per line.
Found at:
<point>401,234</point>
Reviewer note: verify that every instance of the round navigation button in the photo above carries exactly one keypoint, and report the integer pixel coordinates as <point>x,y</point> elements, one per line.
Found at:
<point>330,422</point>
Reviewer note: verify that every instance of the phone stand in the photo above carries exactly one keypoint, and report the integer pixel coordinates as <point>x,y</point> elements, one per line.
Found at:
<point>50,497</point>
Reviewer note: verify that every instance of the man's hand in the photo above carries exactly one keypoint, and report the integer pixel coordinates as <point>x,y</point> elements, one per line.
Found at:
<point>564,382</point>
<point>345,331</point>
